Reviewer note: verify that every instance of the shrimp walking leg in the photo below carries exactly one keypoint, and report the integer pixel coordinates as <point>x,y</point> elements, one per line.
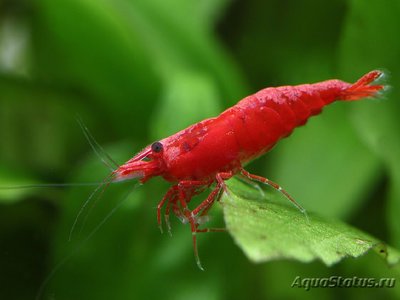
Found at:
<point>171,197</point>
<point>171,200</point>
<point>276,187</point>
<point>176,210</point>
<point>211,230</point>
<point>250,182</point>
<point>167,197</point>
<point>206,204</point>
<point>185,189</point>
<point>204,214</point>
<point>189,216</point>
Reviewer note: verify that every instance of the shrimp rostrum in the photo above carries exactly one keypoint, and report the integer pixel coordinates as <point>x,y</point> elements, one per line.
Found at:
<point>209,152</point>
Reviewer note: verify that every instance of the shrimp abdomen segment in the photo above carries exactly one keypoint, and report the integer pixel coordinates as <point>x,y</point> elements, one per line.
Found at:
<point>265,117</point>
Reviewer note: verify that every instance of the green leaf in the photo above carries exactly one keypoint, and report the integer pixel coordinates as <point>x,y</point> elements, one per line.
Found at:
<point>267,230</point>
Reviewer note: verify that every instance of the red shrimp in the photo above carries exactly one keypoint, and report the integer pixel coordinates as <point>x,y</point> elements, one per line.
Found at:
<point>216,149</point>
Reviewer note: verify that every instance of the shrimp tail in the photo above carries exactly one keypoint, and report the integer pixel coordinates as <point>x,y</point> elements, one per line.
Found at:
<point>363,87</point>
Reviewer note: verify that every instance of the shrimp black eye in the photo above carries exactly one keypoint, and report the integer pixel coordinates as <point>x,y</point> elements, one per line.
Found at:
<point>157,147</point>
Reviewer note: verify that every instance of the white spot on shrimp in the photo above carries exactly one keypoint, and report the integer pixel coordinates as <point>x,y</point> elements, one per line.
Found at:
<point>202,219</point>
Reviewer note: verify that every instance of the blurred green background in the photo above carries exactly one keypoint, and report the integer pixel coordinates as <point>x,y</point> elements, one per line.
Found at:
<point>139,70</point>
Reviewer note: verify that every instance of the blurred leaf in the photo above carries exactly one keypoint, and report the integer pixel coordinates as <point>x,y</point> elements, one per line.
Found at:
<point>88,46</point>
<point>37,126</point>
<point>188,98</point>
<point>267,39</point>
<point>176,38</point>
<point>10,181</point>
<point>136,43</point>
<point>210,10</point>
<point>377,122</point>
<point>92,242</point>
<point>14,46</point>
<point>268,231</point>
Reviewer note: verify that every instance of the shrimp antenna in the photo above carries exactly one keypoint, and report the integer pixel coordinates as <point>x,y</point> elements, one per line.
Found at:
<point>100,152</point>
<point>48,185</point>
<point>61,263</point>
<point>101,187</point>
<point>90,209</point>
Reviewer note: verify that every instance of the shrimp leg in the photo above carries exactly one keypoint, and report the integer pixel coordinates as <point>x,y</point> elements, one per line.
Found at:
<point>172,202</point>
<point>186,186</point>
<point>170,198</point>
<point>167,198</point>
<point>205,205</point>
<point>250,182</point>
<point>276,187</point>
<point>176,210</point>
<point>182,187</point>
<point>220,177</point>
<point>204,213</point>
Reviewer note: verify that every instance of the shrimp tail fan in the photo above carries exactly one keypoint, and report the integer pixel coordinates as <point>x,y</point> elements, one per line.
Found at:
<point>363,87</point>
